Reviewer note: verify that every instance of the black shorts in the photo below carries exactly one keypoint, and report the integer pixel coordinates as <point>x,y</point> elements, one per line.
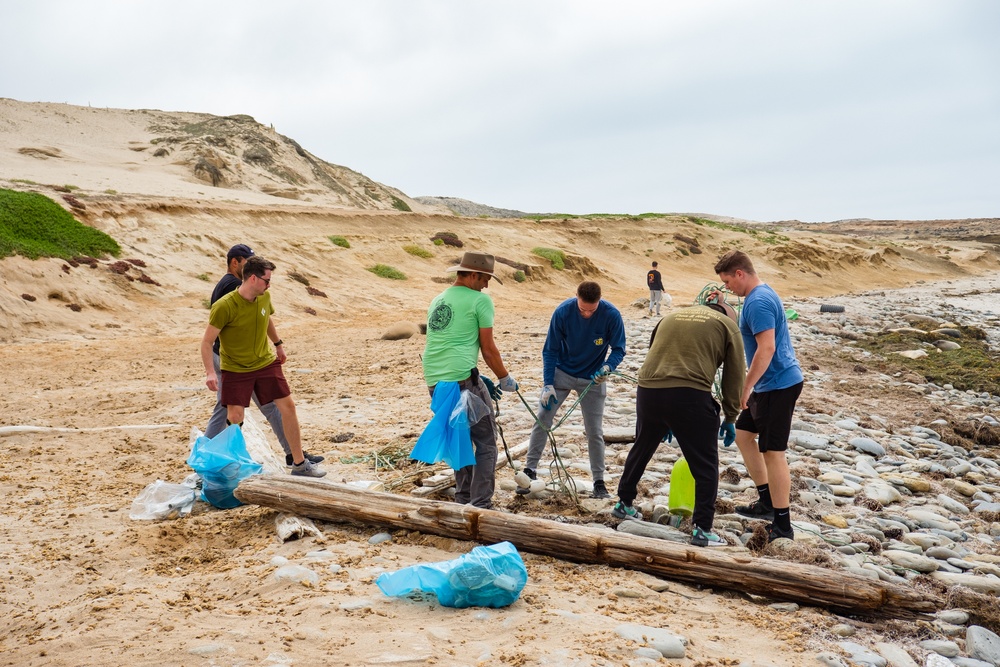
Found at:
<point>769,415</point>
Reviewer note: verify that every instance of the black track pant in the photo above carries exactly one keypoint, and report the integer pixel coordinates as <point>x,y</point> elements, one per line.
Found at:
<point>693,416</point>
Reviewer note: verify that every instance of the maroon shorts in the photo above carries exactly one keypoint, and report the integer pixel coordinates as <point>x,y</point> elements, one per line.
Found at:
<point>268,382</point>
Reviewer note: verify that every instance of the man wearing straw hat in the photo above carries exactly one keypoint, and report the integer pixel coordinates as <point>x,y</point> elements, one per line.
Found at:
<point>459,327</point>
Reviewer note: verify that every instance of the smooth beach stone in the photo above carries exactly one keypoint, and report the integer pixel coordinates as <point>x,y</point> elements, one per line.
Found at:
<point>990,585</point>
<point>667,643</point>
<point>833,477</point>
<point>895,655</point>
<point>927,519</point>
<point>843,491</point>
<point>883,493</point>
<point>941,553</point>
<point>910,561</point>
<point>941,647</point>
<point>982,644</point>
<point>809,440</point>
<point>925,541</point>
<point>951,504</point>
<point>835,520</point>
<point>970,662</point>
<point>296,574</point>
<point>862,655</point>
<point>953,616</point>
<point>964,488</point>
<point>831,660</point>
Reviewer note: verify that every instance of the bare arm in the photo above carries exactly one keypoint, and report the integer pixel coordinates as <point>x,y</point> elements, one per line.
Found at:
<point>207,341</point>
<point>491,355</point>
<point>272,335</point>
<point>758,365</point>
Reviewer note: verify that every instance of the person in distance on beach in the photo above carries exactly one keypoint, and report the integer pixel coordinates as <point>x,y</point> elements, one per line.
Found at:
<point>655,284</point>
<point>235,259</point>
<point>674,399</point>
<point>772,386</point>
<point>241,320</point>
<point>585,343</point>
<point>459,327</point>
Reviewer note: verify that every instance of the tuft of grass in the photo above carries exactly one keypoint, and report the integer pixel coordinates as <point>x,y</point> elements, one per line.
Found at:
<point>202,276</point>
<point>32,225</point>
<point>299,278</point>
<point>556,257</point>
<point>385,271</point>
<point>339,241</point>
<point>400,205</point>
<point>438,241</point>
<point>417,251</point>
<point>764,235</point>
<point>519,276</point>
<point>206,303</point>
<point>109,191</point>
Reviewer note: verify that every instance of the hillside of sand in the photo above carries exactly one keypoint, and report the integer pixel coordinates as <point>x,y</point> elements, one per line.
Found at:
<point>95,348</point>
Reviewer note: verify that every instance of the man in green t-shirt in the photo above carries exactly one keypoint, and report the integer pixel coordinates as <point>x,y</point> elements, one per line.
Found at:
<point>241,320</point>
<point>459,327</point>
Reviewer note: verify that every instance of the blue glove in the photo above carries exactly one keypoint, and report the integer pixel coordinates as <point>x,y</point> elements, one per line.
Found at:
<point>728,433</point>
<point>508,383</point>
<point>493,390</point>
<point>601,375</point>
<point>669,437</point>
<point>547,400</point>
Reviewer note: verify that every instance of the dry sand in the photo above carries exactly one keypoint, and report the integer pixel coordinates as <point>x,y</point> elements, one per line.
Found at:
<point>84,584</point>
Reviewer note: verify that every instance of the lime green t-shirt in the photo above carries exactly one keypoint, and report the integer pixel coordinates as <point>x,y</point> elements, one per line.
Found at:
<point>454,319</point>
<point>242,328</point>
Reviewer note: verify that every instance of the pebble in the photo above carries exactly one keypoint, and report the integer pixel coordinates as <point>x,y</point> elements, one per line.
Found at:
<point>941,647</point>
<point>982,644</point>
<point>895,655</point>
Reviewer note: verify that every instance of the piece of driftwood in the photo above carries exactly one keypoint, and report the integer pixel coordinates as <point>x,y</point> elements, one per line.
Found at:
<point>806,584</point>
<point>446,479</point>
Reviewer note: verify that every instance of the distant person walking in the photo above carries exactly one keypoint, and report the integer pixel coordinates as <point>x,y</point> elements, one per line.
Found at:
<point>773,385</point>
<point>655,283</point>
<point>459,327</point>
<point>674,399</point>
<point>585,343</point>
<point>241,320</point>
<point>235,259</point>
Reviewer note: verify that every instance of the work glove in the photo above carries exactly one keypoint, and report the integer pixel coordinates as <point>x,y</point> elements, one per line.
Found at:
<point>508,383</point>
<point>493,390</point>
<point>668,437</point>
<point>548,397</point>
<point>601,375</point>
<point>728,433</point>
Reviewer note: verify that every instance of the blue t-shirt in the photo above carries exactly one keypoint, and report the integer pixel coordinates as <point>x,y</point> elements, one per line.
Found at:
<point>579,345</point>
<point>763,310</point>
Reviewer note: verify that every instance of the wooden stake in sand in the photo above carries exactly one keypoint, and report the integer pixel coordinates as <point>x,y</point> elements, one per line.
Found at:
<point>806,584</point>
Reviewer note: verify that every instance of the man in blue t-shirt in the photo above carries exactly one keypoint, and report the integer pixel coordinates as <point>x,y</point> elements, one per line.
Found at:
<point>773,385</point>
<point>575,358</point>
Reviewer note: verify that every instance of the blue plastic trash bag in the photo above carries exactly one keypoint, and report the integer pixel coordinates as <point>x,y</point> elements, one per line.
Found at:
<point>222,462</point>
<point>490,576</point>
<point>446,437</point>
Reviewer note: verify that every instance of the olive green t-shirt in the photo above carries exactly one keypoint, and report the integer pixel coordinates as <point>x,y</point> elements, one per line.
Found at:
<point>453,322</point>
<point>688,347</point>
<point>242,328</point>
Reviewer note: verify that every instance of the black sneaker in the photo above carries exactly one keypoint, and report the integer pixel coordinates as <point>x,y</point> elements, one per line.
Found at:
<point>701,538</point>
<point>773,533</point>
<point>623,511</point>
<point>756,510</point>
<point>312,458</point>
<point>525,490</point>
<point>600,491</point>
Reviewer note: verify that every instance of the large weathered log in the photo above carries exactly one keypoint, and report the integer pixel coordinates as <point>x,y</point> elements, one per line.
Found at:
<point>806,584</point>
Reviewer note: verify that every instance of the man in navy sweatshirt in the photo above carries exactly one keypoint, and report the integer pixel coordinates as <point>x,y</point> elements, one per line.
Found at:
<point>581,332</point>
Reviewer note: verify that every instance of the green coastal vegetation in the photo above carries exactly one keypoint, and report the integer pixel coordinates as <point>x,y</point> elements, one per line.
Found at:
<point>556,257</point>
<point>32,225</point>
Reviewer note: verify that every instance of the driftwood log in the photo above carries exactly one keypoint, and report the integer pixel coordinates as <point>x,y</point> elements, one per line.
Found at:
<point>807,584</point>
<point>438,483</point>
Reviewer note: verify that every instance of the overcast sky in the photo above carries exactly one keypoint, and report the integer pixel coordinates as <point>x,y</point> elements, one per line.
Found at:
<point>814,110</point>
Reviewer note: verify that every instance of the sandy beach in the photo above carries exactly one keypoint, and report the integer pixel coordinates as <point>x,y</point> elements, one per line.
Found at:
<point>112,388</point>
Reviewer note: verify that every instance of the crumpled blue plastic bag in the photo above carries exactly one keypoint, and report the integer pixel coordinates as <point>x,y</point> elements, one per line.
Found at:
<point>446,437</point>
<point>223,462</point>
<point>491,576</point>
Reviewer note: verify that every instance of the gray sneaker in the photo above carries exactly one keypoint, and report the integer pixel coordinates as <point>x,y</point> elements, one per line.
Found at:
<point>307,469</point>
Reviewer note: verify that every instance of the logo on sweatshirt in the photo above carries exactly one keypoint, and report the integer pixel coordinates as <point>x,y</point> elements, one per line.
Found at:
<point>599,341</point>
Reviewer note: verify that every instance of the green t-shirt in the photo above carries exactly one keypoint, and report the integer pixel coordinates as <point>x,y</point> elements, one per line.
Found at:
<point>242,328</point>
<point>454,319</point>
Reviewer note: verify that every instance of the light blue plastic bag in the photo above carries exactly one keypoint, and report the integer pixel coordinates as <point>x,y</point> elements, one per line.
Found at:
<point>446,437</point>
<point>491,576</point>
<point>223,462</point>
